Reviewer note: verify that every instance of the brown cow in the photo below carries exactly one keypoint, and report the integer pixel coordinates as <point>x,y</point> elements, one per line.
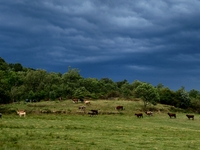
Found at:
<point>75,100</point>
<point>171,115</point>
<point>120,108</point>
<point>139,115</point>
<point>149,113</point>
<point>190,116</point>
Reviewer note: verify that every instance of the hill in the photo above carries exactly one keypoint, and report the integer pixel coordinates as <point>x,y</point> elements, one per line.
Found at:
<point>61,126</point>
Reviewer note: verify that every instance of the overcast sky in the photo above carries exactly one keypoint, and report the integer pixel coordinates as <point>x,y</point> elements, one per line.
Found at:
<point>148,40</point>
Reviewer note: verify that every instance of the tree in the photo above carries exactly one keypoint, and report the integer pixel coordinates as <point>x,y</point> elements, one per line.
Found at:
<point>4,88</point>
<point>167,96</point>
<point>160,86</point>
<point>91,84</point>
<point>4,96</point>
<point>71,81</point>
<point>183,97</point>
<point>34,80</point>
<point>16,67</point>
<point>126,90</point>
<point>3,65</point>
<point>148,93</point>
<point>53,83</point>
<point>136,83</point>
<point>120,83</point>
<point>108,85</point>
<point>81,92</point>
<point>194,94</point>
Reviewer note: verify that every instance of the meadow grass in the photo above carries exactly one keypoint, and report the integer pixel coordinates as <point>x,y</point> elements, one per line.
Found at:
<point>107,131</point>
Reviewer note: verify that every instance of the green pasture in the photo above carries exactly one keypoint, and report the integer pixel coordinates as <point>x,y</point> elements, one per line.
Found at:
<point>63,127</point>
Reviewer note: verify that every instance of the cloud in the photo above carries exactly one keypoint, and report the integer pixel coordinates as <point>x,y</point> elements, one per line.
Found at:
<point>140,68</point>
<point>147,40</point>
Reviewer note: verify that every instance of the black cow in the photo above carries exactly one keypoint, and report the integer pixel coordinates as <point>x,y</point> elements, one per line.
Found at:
<point>95,111</point>
<point>139,115</point>
<point>81,100</point>
<point>0,115</point>
<point>92,113</point>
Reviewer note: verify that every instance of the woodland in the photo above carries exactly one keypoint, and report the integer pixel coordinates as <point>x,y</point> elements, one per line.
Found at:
<point>18,83</point>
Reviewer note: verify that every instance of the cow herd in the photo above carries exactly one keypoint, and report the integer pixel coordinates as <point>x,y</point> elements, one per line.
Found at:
<point>171,115</point>
<point>120,108</point>
<point>96,112</point>
<point>75,100</point>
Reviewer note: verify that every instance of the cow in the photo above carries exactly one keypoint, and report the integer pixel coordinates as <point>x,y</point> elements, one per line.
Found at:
<point>87,102</point>
<point>149,113</point>
<point>0,115</point>
<point>34,100</point>
<point>82,108</point>
<point>91,114</point>
<point>139,115</point>
<point>171,115</point>
<point>95,111</point>
<point>81,100</point>
<point>21,113</point>
<point>27,100</point>
<point>190,116</point>
<point>120,108</point>
<point>60,98</point>
<point>74,100</point>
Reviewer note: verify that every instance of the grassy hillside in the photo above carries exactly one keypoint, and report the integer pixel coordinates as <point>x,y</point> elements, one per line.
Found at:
<point>65,128</point>
<point>68,107</point>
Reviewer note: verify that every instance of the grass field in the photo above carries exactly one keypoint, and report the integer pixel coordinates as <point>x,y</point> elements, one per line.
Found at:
<point>110,130</point>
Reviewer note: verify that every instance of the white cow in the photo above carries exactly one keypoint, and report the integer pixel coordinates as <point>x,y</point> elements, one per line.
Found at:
<point>87,102</point>
<point>149,113</point>
<point>21,113</point>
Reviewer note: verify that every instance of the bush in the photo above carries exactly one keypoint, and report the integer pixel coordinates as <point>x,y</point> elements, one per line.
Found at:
<point>195,105</point>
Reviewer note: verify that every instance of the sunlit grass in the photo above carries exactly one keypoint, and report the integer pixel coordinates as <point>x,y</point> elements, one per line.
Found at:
<point>122,131</point>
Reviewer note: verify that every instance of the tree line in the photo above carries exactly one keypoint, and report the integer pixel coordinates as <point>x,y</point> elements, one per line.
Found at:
<point>18,83</point>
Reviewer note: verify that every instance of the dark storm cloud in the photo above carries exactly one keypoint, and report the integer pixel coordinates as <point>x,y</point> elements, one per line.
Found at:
<point>152,41</point>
